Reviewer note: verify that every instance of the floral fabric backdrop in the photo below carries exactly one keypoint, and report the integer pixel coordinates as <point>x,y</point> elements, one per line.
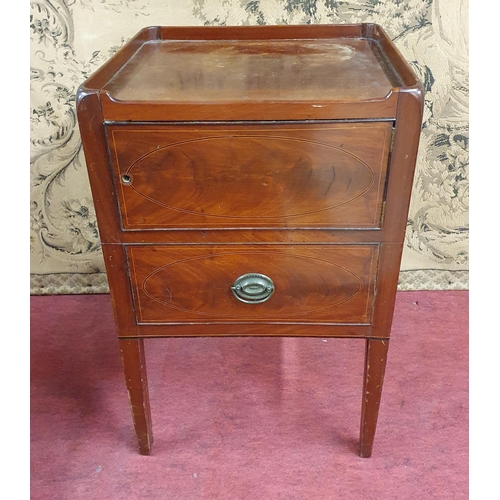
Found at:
<point>71,38</point>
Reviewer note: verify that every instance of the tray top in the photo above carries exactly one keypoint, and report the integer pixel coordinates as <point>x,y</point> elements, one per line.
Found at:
<point>215,71</point>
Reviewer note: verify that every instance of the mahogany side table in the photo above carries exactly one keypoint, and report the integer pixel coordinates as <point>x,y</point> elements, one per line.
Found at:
<point>252,181</point>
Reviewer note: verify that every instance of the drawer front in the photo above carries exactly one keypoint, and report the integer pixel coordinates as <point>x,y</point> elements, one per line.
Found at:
<point>324,284</point>
<point>268,176</point>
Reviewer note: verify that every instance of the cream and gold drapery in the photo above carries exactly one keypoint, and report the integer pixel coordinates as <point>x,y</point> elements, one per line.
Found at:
<point>72,38</point>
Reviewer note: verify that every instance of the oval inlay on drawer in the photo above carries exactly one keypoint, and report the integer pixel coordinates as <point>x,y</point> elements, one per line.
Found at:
<point>327,282</point>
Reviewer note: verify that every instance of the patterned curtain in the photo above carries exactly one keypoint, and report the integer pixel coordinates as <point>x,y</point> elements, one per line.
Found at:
<point>71,38</point>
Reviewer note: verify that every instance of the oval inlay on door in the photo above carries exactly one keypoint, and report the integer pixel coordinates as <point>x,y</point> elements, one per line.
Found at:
<point>255,177</point>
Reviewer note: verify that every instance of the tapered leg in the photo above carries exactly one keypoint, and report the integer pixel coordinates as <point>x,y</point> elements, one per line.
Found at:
<point>375,361</point>
<point>134,366</point>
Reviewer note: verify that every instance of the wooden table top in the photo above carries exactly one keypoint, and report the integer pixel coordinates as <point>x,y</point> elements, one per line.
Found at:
<point>214,71</point>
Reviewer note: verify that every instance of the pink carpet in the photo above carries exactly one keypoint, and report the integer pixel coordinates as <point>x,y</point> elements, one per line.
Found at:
<point>249,418</point>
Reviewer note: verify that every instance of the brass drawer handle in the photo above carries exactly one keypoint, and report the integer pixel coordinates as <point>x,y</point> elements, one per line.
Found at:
<point>253,288</point>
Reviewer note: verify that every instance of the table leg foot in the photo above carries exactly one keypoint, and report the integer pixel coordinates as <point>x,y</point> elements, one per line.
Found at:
<point>134,366</point>
<point>375,362</point>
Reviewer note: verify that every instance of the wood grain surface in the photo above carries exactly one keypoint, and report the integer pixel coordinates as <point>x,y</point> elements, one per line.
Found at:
<point>265,176</point>
<point>313,283</point>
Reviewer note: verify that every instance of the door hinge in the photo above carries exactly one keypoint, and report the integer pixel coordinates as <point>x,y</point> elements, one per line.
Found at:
<point>382,213</point>
<point>391,143</point>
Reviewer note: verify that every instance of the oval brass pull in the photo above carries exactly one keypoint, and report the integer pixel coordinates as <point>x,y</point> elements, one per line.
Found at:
<point>253,288</point>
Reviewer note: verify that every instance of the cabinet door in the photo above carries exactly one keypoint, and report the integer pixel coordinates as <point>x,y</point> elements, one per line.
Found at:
<point>254,176</point>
